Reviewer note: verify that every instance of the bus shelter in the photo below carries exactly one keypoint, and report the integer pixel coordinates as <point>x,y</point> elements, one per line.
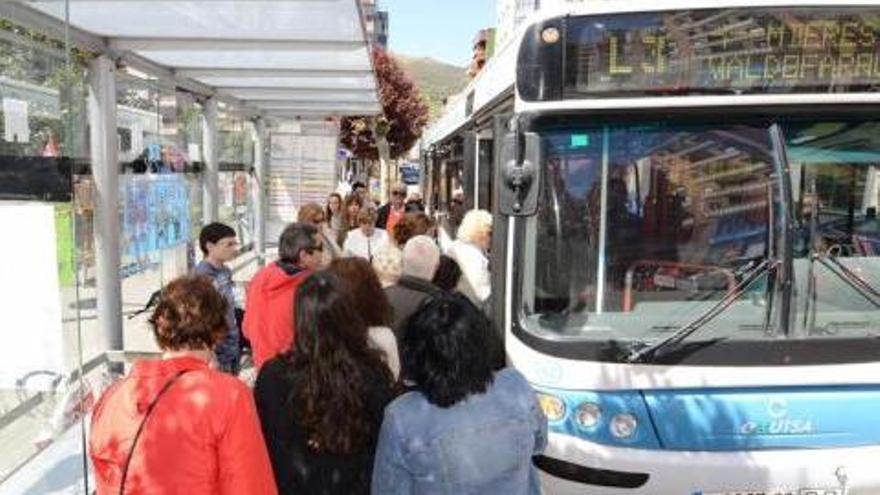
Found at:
<point>128,125</point>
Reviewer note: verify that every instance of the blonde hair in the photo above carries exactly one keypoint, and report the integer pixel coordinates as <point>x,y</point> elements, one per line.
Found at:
<point>388,264</point>
<point>309,212</point>
<point>473,224</point>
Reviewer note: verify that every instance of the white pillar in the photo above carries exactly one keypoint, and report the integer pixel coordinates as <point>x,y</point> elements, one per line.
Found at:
<point>261,176</point>
<point>105,168</point>
<point>210,176</point>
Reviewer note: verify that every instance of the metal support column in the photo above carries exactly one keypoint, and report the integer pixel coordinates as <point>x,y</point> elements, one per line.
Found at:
<point>105,168</point>
<point>261,177</point>
<point>603,223</point>
<point>210,176</point>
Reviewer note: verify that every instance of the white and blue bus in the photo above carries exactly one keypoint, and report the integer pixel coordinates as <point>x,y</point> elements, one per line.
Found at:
<point>686,249</point>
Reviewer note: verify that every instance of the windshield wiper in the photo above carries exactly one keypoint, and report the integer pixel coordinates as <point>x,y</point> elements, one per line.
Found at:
<point>838,269</point>
<point>776,263</point>
<point>643,354</point>
<point>810,302</point>
<point>851,278</point>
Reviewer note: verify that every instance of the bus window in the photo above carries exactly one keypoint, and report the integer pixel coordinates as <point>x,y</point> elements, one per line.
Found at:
<point>836,187</point>
<point>641,228</point>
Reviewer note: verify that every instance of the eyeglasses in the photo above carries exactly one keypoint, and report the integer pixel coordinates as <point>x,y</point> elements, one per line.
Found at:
<point>398,193</point>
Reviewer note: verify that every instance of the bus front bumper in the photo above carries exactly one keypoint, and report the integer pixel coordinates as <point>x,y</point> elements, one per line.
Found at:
<point>571,466</point>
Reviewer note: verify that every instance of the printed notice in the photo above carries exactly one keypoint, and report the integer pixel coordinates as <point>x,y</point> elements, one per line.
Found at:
<point>195,154</point>
<point>137,138</point>
<point>15,121</point>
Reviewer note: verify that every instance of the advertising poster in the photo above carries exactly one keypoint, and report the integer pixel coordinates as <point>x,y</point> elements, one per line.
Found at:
<point>156,216</point>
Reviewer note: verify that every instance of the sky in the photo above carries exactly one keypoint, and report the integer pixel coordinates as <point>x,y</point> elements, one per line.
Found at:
<point>440,29</point>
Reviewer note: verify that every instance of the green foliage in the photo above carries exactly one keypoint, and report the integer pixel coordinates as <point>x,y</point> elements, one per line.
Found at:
<point>436,81</point>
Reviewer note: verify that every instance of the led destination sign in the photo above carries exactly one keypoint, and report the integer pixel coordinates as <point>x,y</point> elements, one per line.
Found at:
<point>719,51</point>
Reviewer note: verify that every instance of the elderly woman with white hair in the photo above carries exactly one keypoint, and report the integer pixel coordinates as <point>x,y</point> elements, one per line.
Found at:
<point>470,250</point>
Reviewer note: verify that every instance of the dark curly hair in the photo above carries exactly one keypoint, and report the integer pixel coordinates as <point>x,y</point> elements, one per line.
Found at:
<point>448,273</point>
<point>190,315</point>
<point>332,363</point>
<point>358,276</point>
<point>411,225</point>
<point>448,349</point>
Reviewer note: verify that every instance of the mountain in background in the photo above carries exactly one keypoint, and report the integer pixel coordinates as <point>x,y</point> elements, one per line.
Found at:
<point>436,80</point>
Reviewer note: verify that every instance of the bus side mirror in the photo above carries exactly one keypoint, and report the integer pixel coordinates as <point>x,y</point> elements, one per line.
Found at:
<point>520,174</point>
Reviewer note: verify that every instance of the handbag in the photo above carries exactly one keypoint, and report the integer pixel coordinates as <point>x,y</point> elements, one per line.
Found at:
<point>140,429</point>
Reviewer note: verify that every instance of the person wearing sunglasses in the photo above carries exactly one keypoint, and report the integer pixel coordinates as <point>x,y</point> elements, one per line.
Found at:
<point>392,212</point>
<point>269,311</point>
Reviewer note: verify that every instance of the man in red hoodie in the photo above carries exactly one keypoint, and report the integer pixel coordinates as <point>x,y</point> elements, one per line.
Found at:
<point>268,318</point>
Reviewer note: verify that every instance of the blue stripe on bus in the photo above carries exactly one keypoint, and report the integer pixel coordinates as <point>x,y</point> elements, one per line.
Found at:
<point>733,419</point>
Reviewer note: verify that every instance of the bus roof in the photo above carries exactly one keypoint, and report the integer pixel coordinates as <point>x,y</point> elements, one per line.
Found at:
<point>499,74</point>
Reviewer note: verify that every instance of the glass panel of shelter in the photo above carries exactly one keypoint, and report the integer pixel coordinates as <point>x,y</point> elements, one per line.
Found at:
<point>47,381</point>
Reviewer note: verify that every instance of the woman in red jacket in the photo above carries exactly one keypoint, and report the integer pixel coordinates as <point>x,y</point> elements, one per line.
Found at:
<point>175,425</point>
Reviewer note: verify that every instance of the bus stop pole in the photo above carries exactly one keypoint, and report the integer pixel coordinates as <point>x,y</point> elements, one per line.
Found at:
<point>211,174</point>
<point>260,177</point>
<point>105,169</point>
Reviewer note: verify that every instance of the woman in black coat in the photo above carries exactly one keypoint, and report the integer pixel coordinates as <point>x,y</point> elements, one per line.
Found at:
<point>321,403</point>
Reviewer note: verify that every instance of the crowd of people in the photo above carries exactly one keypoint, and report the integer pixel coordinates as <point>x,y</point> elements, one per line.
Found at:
<point>378,370</point>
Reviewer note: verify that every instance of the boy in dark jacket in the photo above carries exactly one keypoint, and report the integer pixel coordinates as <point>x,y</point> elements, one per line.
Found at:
<point>219,246</point>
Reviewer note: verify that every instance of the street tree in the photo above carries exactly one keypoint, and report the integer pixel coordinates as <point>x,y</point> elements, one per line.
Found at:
<point>404,116</point>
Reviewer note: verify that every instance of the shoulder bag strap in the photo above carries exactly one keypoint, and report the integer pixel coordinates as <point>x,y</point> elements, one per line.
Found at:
<point>141,427</point>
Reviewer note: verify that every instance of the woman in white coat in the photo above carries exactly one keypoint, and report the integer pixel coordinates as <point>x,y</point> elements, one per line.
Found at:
<point>470,250</point>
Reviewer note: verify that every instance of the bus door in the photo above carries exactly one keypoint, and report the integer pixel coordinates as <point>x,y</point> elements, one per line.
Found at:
<point>469,169</point>
<point>485,171</point>
<point>498,251</point>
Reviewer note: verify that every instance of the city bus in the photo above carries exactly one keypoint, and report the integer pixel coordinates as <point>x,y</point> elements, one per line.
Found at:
<point>686,249</point>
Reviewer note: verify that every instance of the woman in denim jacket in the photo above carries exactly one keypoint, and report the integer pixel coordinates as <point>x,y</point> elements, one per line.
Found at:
<point>464,428</point>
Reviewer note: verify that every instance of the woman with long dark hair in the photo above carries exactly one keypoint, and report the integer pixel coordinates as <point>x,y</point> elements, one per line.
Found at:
<point>334,214</point>
<point>353,206</point>
<point>321,403</point>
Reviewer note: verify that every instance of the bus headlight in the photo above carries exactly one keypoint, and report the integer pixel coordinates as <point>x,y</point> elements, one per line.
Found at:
<point>553,407</point>
<point>588,414</point>
<point>623,425</point>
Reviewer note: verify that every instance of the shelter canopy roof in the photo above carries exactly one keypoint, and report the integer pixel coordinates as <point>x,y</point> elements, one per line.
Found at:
<point>281,57</point>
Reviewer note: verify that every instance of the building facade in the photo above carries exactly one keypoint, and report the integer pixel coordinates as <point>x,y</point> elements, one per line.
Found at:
<point>483,49</point>
<point>510,14</point>
<point>376,23</point>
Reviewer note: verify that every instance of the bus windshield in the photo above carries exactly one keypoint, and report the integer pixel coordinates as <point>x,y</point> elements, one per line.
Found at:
<point>642,228</point>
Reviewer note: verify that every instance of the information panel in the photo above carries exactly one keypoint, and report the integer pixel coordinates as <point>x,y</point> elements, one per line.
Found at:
<point>763,50</point>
